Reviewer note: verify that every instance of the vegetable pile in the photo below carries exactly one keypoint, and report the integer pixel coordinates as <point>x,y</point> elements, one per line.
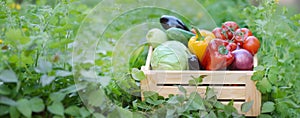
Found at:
<point>224,48</point>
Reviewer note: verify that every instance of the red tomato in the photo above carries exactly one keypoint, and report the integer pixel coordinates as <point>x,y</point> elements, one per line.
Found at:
<point>230,27</point>
<point>219,33</point>
<point>251,44</point>
<point>231,46</point>
<point>242,34</point>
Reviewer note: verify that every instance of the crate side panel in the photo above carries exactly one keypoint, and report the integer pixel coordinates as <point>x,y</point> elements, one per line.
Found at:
<point>222,92</point>
<point>211,78</point>
<point>253,94</point>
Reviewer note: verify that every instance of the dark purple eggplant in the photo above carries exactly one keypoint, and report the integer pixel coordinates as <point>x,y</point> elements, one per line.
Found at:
<point>194,63</point>
<point>168,22</point>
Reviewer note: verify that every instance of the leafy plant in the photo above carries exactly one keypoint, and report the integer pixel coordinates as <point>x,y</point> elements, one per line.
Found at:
<point>277,74</point>
<point>35,76</point>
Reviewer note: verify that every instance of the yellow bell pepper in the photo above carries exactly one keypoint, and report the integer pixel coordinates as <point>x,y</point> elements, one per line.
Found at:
<point>198,44</point>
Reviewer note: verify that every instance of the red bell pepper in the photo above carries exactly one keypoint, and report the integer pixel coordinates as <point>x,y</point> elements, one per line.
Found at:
<point>216,56</point>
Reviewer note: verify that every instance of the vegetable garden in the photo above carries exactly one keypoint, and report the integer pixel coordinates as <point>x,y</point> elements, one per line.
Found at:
<point>67,58</point>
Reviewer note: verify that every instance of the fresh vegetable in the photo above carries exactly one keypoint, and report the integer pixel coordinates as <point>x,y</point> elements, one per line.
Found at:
<point>219,33</point>
<point>179,35</point>
<point>216,56</point>
<point>241,35</point>
<point>194,63</point>
<point>138,57</point>
<point>231,46</point>
<point>168,22</point>
<point>243,60</point>
<point>171,55</point>
<point>155,37</point>
<point>251,44</point>
<point>198,44</point>
<point>229,28</point>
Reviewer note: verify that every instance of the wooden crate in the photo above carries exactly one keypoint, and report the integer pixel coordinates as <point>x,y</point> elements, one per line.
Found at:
<point>228,85</point>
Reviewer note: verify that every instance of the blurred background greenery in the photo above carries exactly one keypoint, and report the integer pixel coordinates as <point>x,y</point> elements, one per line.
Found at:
<point>36,43</point>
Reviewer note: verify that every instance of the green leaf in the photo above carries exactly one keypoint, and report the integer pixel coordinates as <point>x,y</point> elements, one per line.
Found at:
<point>196,80</point>
<point>36,104</point>
<point>171,110</point>
<point>211,115</point>
<point>73,88</point>
<point>58,116</point>
<point>4,90</point>
<point>15,37</point>
<point>268,107</point>
<point>195,102</point>
<point>13,112</point>
<point>172,100</point>
<point>23,107</point>
<point>258,75</point>
<point>151,94</point>
<point>265,116</point>
<point>4,110</point>
<point>138,115</point>
<point>96,98</point>
<point>84,112</point>
<point>46,80</point>
<point>7,101</point>
<point>264,86</point>
<point>14,58</point>
<point>154,102</point>
<point>182,89</point>
<point>180,98</point>
<point>229,109</point>
<point>137,74</point>
<point>73,111</point>
<point>210,94</point>
<point>63,73</point>
<point>56,108</point>
<point>8,76</point>
<point>98,115</point>
<point>273,78</point>
<point>104,80</point>
<point>57,96</point>
<point>259,68</point>
<point>219,105</point>
<point>230,103</point>
<point>43,66</point>
<point>290,103</point>
<point>246,106</point>
<point>120,113</point>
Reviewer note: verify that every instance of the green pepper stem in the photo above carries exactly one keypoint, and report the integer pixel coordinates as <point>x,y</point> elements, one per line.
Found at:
<point>198,34</point>
<point>222,50</point>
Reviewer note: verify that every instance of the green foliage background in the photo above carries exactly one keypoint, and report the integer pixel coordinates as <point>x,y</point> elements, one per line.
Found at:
<point>36,72</point>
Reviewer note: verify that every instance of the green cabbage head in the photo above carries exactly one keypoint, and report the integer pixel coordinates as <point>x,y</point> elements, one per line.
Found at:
<point>170,55</point>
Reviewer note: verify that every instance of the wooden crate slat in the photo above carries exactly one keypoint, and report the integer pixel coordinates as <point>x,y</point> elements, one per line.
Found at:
<point>211,78</point>
<point>224,92</point>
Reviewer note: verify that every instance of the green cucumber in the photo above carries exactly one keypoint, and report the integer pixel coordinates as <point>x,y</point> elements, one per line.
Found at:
<point>179,35</point>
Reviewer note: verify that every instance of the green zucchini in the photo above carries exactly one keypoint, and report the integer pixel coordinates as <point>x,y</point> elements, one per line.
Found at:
<point>179,35</point>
